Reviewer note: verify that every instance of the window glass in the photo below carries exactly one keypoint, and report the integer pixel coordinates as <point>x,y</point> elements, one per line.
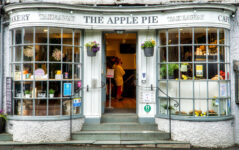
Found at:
<point>185,35</point>
<point>40,68</point>
<point>162,37</point>
<point>28,35</point>
<point>173,54</point>
<point>186,53</point>
<point>163,54</point>
<point>200,35</point>
<point>172,36</point>
<point>41,34</point>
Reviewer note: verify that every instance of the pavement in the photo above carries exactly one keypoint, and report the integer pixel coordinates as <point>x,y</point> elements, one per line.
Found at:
<point>80,147</point>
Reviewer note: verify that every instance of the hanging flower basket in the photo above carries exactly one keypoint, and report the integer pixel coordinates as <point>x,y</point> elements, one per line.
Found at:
<point>92,48</point>
<point>148,47</point>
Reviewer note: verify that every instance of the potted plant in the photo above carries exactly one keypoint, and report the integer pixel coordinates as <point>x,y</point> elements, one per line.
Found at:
<point>51,92</point>
<point>27,94</point>
<point>171,70</point>
<point>3,119</point>
<point>148,47</point>
<point>92,48</point>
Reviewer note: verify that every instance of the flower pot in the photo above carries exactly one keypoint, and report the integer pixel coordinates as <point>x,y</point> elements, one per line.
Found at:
<point>51,95</point>
<point>28,95</point>
<point>90,52</point>
<point>149,51</point>
<point>2,125</point>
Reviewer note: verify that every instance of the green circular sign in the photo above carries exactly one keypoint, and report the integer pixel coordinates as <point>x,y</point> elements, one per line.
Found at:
<point>147,108</point>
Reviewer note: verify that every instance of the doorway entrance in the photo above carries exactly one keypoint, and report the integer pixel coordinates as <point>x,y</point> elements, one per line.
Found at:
<point>120,55</point>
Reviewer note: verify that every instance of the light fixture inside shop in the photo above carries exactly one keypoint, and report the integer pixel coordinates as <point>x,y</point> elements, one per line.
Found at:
<point>119,31</point>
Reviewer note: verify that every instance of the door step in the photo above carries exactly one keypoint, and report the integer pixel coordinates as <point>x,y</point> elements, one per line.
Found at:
<point>5,137</point>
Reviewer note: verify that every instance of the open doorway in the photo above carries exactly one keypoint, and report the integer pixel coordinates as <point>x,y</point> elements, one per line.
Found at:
<point>121,56</point>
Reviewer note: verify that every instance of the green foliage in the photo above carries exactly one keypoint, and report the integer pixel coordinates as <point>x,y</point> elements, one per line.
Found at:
<point>51,91</point>
<point>27,92</point>
<point>149,43</point>
<point>171,68</point>
<point>165,106</point>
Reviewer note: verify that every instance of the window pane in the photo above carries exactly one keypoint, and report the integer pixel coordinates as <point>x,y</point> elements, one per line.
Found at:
<point>221,36</point>
<point>200,107</point>
<point>18,54</point>
<point>163,88</point>
<point>213,106</point>
<point>163,71</point>
<point>18,92</point>
<point>200,71</point>
<point>27,71</point>
<point>55,71</point>
<point>186,106</point>
<point>222,54</point>
<point>200,53</point>
<point>172,36</point>
<point>41,71</point>
<point>173,88</point>
<point>18,36</point>
<point>41,53</point>
<point>28,35</point>
<point>17,109</point>
<point>67,36</point>
<point>173,71</point>
<point>77,37</point>
<point>67,71</point>
<point>200,35</point>
<point>173,54</point>
<point>162,37</point>
<point>41,89</point>
<point>77,69</point>
<point>186,53</point>
<point>55,35</point>
<point>186,89</point>
<point>40,109</point>
<point>223,107</point>
<point>55,53</point>
<point>66,107</point>
<point>212,71</point>
<point>17,72</point>
<point>186,71</point>
<point>163,54</point>
<point>41,34</point>
<point>28,53</point>
<point>163,105</point>
<point>28,89</point>
<point>212,52</point>
<point>213,89</point>
<point>212,35</point>
<point>200,89</point>
<point>54,107</point>
<point>67,54</point>
<point>27,108</point>
<point>77,54</point>
<point>55,88</point>
<point>186,35</point>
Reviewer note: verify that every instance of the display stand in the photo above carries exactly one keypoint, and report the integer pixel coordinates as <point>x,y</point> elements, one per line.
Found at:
<point>110,75</point>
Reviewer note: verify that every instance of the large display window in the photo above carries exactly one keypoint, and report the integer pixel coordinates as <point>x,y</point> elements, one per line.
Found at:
<point>194,71</point>
<point>43,60</point>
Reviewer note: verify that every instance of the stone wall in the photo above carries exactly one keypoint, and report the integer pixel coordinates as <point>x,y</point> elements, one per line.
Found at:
<point>42,131</point>
<point>200,134</point>
<point>234,55</point>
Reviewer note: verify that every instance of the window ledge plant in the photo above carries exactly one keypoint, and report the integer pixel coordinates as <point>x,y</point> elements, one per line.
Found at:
<point>3,119</point>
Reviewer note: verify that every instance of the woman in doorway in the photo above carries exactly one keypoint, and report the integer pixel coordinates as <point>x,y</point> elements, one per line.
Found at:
<point>119,73</point>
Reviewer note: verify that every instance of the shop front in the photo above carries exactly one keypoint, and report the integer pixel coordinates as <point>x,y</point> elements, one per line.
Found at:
<point>187,78</point>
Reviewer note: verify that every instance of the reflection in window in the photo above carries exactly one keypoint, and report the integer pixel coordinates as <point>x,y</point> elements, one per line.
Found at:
<point>42,61</point>
<point>194,73</point>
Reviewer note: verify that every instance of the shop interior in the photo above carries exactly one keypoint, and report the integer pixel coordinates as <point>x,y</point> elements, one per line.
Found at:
<point>121,48</point>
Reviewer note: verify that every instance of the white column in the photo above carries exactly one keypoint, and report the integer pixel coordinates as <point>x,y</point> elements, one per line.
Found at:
<point>92,77</point>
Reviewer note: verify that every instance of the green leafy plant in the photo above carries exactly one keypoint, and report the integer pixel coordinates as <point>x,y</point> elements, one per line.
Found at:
<point>165,106</point>
<point>149,43</point>
<point>2,115</point>
<point>51,91</point>
<point>27,92</point>
<point>93,45</point>
<point>171,69</point>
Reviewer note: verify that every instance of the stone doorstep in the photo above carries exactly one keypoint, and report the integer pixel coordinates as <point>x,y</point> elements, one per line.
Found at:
<point>121,144</point>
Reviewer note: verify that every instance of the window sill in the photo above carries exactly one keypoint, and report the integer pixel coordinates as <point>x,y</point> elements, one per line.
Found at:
<point>43,118</point>
<point>196,119</point>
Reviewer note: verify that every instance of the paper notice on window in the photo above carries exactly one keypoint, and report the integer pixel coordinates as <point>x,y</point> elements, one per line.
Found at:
<point>223,90</point>
<point>184,68</point>
<point>199,70</point>
<point>110,73</point>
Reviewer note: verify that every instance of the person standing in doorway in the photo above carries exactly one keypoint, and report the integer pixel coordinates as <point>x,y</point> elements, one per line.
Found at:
<point>119,73</point>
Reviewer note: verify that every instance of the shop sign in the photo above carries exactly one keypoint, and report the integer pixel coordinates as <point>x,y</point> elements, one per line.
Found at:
<point>67,89</point>
<point>147,108</point>
<point>76,102</point>
<point>110,73</point>
<point>148,96</point>
<point>9,94</point>
<point>199,70</point>
<point>119,21</point>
